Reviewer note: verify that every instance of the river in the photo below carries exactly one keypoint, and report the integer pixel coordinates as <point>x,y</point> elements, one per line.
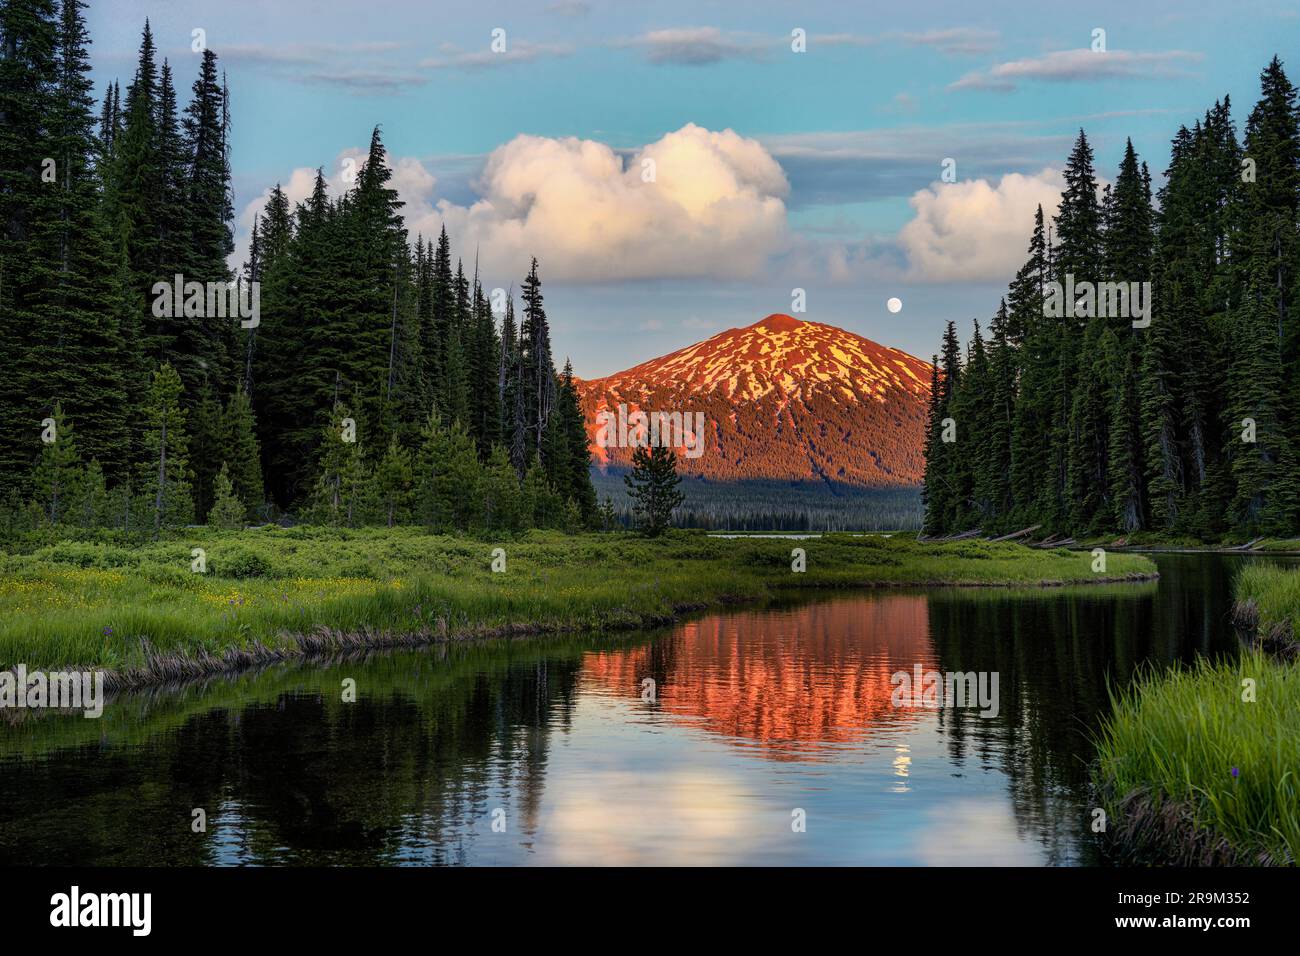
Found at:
<point>764,736</point>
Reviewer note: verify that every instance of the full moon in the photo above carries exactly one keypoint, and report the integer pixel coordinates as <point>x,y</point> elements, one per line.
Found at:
<point>894,305</point>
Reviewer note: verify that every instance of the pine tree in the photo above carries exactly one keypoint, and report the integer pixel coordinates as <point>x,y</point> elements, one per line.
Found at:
<point>395,476</point>
<point>954,470</point>
<point>80,349</point>
<point>1003,396</point>
<point>206,447</point>
<point>359,491</point>
<point>437,330</point>
<point>172,213</point>
<point>58,469</point>
<point>509,397</point>
<point>541,504</point>
<point>568,462</point>
<point>165,480</point>
<point>1173,419</point>
<point>227,509</point>
<point>485,412</point>
<point>339,459</point>
<point>370,247</point>
<point>1076,460</point>
<point>134,185</point>
<point>652,485</point>
<point>536,368</point>
<point>607,516</point>
<point>502,496</point>
<point>1033,488</point>
<point>1270,250</point>
<point>28,44</point>
<point>976,410</point>
<point>934,490</point>
<point>1128,245</point>
<point>1263,466</point>
<point>309,310</point>
<point>90,509</point>
<point>450,478</point>
<point>240,450</point>
<point>207,180</point>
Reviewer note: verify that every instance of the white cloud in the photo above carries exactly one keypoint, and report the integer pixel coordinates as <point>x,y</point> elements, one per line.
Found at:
<point>1078,66</point>
<point>715,208</point>
<point>973,230</point>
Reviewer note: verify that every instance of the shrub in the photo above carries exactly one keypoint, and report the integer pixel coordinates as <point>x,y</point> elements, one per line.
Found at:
<point>241,563</point>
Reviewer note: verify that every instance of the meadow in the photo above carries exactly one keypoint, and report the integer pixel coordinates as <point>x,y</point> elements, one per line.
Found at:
<point>143,612</point>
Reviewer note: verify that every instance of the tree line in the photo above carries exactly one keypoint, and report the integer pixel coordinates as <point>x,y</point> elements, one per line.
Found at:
<point>1086,421</point>
<point>374,384</point>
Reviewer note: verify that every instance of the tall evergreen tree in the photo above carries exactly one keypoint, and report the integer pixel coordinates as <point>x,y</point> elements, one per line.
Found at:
<point>536,367</point>
<point>28,49</point>
<point>80,347</point>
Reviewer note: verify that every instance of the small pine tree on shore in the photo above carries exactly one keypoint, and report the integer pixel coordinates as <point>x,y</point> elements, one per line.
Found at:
<point>606,516</point>
<point>227,510</point>
<point>57,470</point>
<point>652,485</point>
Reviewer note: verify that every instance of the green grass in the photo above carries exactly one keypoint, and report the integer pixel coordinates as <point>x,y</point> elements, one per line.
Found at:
<point>1168,753</point>
<point>1269,596</point>
<point>122,608</point>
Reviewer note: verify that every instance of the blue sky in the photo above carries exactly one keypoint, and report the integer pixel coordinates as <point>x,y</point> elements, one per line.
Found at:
<point>773,170</point>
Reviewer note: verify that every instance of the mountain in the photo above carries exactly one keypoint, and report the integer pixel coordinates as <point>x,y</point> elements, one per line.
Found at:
<point>782,399</point>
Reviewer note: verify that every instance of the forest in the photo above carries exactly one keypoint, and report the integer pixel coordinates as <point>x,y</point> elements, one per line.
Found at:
<point>1185,423</point>
<point>374,385</point>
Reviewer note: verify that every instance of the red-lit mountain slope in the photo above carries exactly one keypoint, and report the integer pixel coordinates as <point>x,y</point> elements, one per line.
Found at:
<point>782,399</point>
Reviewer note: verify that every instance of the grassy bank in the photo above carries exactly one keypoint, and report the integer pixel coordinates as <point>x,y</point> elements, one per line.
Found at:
<point>1268,603</point>
<point>1195,773</point>
<point>142,613</point>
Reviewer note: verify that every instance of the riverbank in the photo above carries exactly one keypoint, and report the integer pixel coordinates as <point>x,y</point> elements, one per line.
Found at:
<point>1148,542</point>
<point>1268,606</point>
<point>211,601</point>
<point>1199,766</point>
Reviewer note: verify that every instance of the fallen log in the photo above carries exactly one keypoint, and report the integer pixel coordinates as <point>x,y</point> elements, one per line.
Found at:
<point>1018,534</point>
<point>921,539</point>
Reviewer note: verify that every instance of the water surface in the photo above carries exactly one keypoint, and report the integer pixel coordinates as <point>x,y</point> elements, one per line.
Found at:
<point>555,752</point>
